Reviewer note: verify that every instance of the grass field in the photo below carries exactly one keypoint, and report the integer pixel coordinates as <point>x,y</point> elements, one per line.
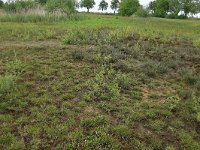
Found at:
<point>99,82</point>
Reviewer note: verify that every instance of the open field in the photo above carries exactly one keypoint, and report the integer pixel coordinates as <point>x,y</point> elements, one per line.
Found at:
<point>99,82</point>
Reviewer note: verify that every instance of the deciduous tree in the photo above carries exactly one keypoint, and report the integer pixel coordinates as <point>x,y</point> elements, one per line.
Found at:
<point>160,8</point>
<point>114,5</point>
<point>190,6</point>
<point>1,4</point>
<point>175,7</point>
<point>65,6</point>
<point>103,5</point>
<point>128,7</point>
<point>88,4</point>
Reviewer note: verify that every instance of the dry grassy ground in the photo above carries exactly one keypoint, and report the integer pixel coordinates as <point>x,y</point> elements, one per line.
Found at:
<point>100,82</point>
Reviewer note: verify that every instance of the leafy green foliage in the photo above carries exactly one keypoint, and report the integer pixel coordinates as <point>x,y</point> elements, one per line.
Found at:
<point>103,87</point>
<point>114,5</point>
<point>42,2</point>
<point>196,43</point>
<point>103,5</point>
<point>94,122</point>
<point>188,141</point>
<point>142,12</point>
<point>160,8</point>
<point>1,3</point>
<point>115,83</point>
<point>128,7</point>
<point>65,6</point>
<point>88,4</point>
<point>19,6</point>
<point>7,83</point>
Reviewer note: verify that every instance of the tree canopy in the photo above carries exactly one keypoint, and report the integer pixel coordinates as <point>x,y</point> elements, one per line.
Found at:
<point>114,5</point>
<point>128,7</point>
<point>161,8</point>
<point>65,6</point>
<point>42,2</point>
<point>1,4</point>
<point>103,5</point>
<point>87,4</point>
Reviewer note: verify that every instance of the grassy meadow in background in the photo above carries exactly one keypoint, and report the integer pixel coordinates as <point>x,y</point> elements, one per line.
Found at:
<point>99,82</point>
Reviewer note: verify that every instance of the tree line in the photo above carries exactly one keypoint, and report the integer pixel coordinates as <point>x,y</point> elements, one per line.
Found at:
<point>156,8</point>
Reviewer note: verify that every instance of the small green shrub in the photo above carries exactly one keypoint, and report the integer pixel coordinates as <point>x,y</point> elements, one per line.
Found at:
<point>11,141</point>
<point>15,67</point>
<point>196,43</point>
<point>188,141</point>
<point>122,131</point>
<point>104,86</point>
<point>195,107</point>
<point>99,139</point>
<point>77,55</point>
<point>123,81</point>
<point>170,148</point>
<point>156,144</point>
<point>157,125</point>
<point>190,79</point>
<point>150,69</point>
<point>7,84</point>
<point>122,66</point>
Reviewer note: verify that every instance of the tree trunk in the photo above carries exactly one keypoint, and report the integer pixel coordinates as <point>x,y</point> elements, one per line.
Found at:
<point>88,10</point>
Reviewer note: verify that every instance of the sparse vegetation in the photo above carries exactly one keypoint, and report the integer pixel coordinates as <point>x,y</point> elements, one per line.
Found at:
<point>99,82</point>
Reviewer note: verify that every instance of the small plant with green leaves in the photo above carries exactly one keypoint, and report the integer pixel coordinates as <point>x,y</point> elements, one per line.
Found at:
<point>190,78</point>
<point>196,43</point>
<point>122,132</point>
<point>94,122</point>
<point>7,84</point>
<point>15,67</point>
<point>78,55</point>
<point>104,86</point>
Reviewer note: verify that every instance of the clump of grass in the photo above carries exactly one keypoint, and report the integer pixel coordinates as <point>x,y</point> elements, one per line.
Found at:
<point>122,131</point>
<point>196,43</point>
<point>157,125</point>
<point>94,122</point>
<point>11,141</point>
<point>190,78</point>
<point>122,66</point>
<point>7,84</point>
<point>156,144</point>
<point>195,107</point>
<point>87,36</point>
<point>188,141</point>
<point>100,139</point>
<point>31,18</point>
<point>78,55</point>
<point>95,36</point>
<point>15,67</point>
<point>124,81</point>
<point>104,86</point>
<point>153,68</point>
